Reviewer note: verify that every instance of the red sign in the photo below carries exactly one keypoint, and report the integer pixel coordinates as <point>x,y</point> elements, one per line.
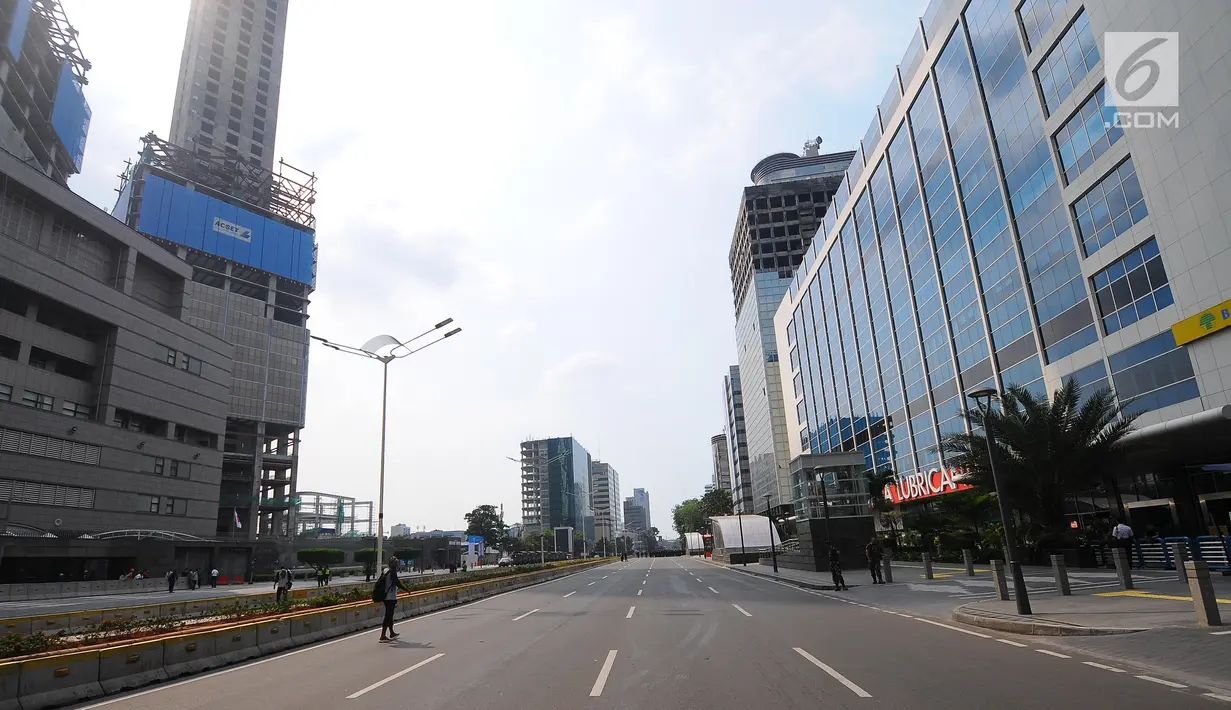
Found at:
<point>922,485</point>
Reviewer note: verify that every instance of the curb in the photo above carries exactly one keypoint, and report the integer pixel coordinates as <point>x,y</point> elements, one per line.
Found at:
<point>1035,628</point>
<point>785,580</point>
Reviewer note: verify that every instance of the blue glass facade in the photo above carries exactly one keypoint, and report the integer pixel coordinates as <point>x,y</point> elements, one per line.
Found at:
<point>952,257</point>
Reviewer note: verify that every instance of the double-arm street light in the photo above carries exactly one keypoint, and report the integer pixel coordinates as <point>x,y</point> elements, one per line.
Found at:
<point>396,350</point>
<point>983,399</point>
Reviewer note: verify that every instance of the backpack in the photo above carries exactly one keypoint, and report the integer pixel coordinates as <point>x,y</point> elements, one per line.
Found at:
<point>380,590</point>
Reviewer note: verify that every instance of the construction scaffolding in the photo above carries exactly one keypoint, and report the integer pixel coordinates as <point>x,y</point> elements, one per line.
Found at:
<point>330,515</point>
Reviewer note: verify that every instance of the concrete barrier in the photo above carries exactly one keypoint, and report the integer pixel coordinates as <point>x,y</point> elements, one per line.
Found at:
<point>131,666</point>
<point>236,644</point>
<point>19,592</point>
<point>20,625</point>
<point>62,679</point>
<point>191,653</point>
<point>274,635</point>
<point>10,690</point>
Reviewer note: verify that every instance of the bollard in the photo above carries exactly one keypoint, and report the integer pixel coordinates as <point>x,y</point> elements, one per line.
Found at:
<point>968,556</point>
<point>1059,569</point>
<point>1202,589</point>
<point>1002,582</point>
<point>1123,571</point>
<point>927,565</point>
<point>1179,555</point>
<point>887,568</point>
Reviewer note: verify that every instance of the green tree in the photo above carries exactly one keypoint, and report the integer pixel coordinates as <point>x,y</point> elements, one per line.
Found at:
<point>1045,449</point>
<point>485,521</point>
<point>688,517</point>
<point>319,557</point>
<point>366,556</point>
<point>716,502</point>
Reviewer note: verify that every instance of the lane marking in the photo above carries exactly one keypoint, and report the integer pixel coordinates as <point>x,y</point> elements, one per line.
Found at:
<point>1160,681</point>
<point>393,677</point>
<point>952,628</point>
<point>629,615</point>
<point>1052,653</point>
<point>591,584</point>
<point>519,618</point>
<point>566,596</point>
<point>715,591</point>
<point>639,591</point>
<point>606,576</point>
<point>741,609</point>
<point>1219,633</point>
<point>834,674</point>
<point>1216,696</point>
<point>643,582</point>
<point>1012,643</point>
<point>1113,669</point>
<point>597,690</point>
<point>1150,595</point>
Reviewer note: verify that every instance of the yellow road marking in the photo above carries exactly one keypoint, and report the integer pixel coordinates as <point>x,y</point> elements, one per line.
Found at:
<point>1150,595</point>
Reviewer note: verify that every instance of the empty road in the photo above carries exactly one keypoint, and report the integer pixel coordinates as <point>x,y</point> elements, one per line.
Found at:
<point>673,633</point>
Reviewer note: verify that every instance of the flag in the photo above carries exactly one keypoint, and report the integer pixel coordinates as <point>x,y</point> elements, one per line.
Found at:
<point>238,525</point>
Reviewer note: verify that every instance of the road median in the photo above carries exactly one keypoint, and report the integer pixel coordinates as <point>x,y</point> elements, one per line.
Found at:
<point>63,677</point>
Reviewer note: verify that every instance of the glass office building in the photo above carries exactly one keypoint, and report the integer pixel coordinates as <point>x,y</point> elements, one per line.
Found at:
<point>1002,225</point>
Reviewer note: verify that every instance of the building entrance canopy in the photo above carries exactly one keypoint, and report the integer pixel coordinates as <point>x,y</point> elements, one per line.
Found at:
<point>736,532</point>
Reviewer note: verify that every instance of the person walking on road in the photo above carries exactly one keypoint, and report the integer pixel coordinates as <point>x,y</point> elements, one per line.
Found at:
<point>170,581</point>
<point>1122,534</point>
<point>875,554</point>
<point>328,576</point>
<point>282,584</point>
<point>387,591</point>
<point>835,568</point>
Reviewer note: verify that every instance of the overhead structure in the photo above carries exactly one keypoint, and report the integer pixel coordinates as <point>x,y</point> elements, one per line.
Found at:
<point>331,515</point>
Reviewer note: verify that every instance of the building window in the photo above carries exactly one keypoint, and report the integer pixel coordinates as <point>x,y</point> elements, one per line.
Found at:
<point>233,139</point>
<point>205,139</point>
<point>214,74</point>
<point>1037,17</point>
<point>1132,288</point>
<point>211,101</point>
<point>258,124</point>
<point>211,87</point>
<point>243,49</point>
<point>160,466</point>
<point>263,74</point>
<point>1110,208</point>
<point>190,364</point>
<point>6,393</point>
<point>1087,135</point>
<point>172,356</point>
<point>259,111</point>
<point>237,100</point>
<point>1067,63</point>
<point>262,86</point>
<point>237,85</point>
<point>207,127</point>
<point>256,152</point>
<point>153,503</point>
<point>36,400</point>
<point>78,411</point>
<point>241,74</point>
<point>216,62</point>
<point>173,469</point>
<point>258,136</point>
<point>236,112</point>
<point>1153,374</point>
<point>209,114</point>
<point>267,62</point>
<point>233,125</point>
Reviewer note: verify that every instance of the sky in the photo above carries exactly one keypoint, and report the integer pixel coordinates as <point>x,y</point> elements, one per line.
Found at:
<point>562,178</point>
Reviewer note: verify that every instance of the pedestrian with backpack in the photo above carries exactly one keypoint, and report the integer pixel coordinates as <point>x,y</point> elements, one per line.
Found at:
<point>386,590</point>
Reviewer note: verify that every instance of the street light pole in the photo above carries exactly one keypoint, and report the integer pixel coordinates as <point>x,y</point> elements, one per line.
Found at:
<point>371,350</point>
<point>742,551</point>
<point>983,398</point>
<point>773,550</point>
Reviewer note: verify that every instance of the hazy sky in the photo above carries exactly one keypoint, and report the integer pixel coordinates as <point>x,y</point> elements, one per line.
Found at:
<point>561,178</point>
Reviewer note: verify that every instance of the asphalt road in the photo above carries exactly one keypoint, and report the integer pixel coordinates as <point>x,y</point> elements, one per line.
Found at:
<point>672,633</point>
<point>112,601</point>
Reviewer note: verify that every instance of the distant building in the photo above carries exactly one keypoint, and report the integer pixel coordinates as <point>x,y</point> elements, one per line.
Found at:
<point>634,518</point>
<point>721,478</point>
<point>642,498</point>
<point>737,441</point>
<point>605,499</point>
<point>400,530</point>
<point>555,485</point>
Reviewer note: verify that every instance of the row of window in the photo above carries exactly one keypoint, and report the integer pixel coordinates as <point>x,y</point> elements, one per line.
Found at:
<point>163,505</point>
<point>160,466</point>
<point>778,201</point>
<point>45,402</point>
<point>182,361</point>
<point>34,493</point>
<point>21,442</point>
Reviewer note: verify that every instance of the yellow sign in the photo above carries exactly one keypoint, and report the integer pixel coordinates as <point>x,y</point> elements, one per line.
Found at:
<point>1210,320</point>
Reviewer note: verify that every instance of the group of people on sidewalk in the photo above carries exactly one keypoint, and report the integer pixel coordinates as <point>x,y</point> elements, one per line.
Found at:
<point>324,576</point>
<point>192,576</point>
<point>874,553</point>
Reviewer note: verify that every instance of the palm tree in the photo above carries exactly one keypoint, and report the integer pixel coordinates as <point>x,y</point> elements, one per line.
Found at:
<point>1045,449</point>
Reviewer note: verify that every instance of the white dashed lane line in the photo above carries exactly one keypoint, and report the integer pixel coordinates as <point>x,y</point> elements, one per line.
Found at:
<point>1160,681</point>
<point>741,609</point>
<point>1092,664</point>
<point>1052,653</point>
<point>519,618</point>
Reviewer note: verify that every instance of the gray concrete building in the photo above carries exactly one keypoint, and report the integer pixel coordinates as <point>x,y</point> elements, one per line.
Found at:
<point>634,518</point>
<point>112,407</point>
<point>555,486</point>
<point>605,499</point>
<point>230,78</point>
<point>737,440</point>
<point>778,215</point>
<point>720,456</point>
<point>1015,216</point>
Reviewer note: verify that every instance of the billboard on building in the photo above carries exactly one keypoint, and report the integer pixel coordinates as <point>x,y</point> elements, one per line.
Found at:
<point>198,220</point>
<point>70,116</point>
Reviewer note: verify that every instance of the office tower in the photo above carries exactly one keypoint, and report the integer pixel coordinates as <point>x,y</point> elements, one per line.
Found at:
<point>741,481</point>
<point>634,517</point>
<point>555,485</point>
<point>719,453</point>
<point>230,78</point>
<point>249,234</point>
<point>778,215</point>
<point>641,498</point>
<point>605,499</point>
<point>44,117</point>
<point>1006,223</point>
<point>111,406</point>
